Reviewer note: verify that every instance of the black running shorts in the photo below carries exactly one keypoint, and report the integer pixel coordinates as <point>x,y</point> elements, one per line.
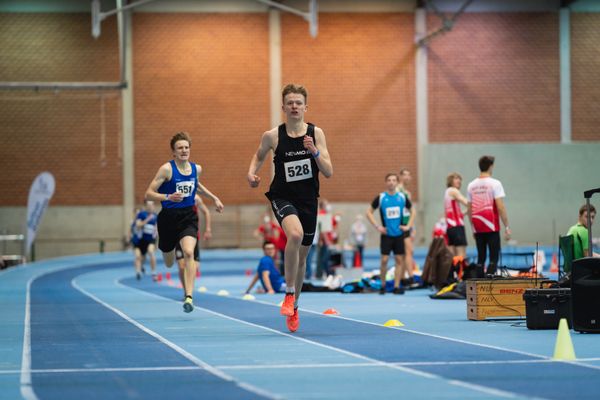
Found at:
<point>143,246</point>
<point>306,211</point>
<point>174,224</point>
<point>456,236</point>
<point>392,244</point>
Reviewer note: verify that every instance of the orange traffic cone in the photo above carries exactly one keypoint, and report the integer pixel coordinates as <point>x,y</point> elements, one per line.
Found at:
<point>357,262</point>
<point>554,265</point>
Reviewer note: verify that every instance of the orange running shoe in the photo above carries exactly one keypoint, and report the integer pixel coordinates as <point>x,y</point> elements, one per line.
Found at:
<point>293,322</point>
<point>287,308</point>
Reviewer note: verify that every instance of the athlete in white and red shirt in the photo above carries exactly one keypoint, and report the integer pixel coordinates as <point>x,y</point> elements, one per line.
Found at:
<point>486,207</point>
<point>457,239</point>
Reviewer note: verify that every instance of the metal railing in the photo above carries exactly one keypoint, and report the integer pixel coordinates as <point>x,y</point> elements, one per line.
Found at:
<point>16,258</point>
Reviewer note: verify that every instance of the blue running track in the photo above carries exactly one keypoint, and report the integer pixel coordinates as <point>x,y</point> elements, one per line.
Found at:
<point>84,327</point>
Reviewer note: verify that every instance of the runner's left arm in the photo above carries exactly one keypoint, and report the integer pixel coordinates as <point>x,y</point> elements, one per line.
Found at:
<point>319,151</point>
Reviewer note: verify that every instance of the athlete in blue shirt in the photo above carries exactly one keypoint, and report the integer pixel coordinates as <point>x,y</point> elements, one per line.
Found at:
<point>145,225</point>
<point>270,278</point>
<point>391,204</point>
<point>175,186</point>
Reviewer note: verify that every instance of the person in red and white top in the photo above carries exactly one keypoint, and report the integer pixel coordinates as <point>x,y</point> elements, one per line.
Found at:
<point>485,209</point>
<point>455,231</point>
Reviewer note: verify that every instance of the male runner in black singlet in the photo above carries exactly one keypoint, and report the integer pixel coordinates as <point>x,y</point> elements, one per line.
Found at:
<point>300,153</point>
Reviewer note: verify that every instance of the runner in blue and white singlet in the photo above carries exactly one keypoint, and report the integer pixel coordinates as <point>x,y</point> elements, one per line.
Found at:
<point>145,222</point>
<point>175,186</point>
<point>391,205</point>
<point>391,210</point>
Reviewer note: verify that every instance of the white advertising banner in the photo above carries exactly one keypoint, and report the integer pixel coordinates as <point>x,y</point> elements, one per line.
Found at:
<point>40,194</point>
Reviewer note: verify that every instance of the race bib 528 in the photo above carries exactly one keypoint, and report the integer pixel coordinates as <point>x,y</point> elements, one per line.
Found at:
<point>298,170</point>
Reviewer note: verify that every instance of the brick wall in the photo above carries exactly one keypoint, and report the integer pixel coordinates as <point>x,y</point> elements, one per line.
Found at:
<point>207,74</point>
<point>57,47</point>
<point>59,132</point>
<point>495,78</point>
<point>359,72</point>
<point>585,76</point>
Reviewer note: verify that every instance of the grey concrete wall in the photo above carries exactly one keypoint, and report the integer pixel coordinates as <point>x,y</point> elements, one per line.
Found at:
<point>544,183</point>
<point>79,230</point>
<point>67,230</point>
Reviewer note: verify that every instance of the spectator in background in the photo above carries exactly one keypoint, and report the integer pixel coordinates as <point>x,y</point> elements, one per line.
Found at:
<point>485,209</point>
<point>207,235</point>
<point>403,180</point>
<point>310,258</point>
<point>580,232</point>
<point>455,231</point>
<point>391,204</point>
<point>439,230</point>
<point>358,237</point>
<point>270,278</point>
<point>270,231</point>
<point>325,229</point>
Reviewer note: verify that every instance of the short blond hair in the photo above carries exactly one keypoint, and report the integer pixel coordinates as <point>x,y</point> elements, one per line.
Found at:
<point>293,88</point>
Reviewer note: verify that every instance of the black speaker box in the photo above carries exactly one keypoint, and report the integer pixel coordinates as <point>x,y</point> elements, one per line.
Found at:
<point>544,308</point>
<point>585,294</point>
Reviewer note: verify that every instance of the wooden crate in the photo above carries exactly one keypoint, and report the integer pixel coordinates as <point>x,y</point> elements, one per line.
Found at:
<point>489,298</point>
<point>478,313</point>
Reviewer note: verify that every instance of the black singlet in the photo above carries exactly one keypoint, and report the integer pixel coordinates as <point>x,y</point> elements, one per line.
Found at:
<point>296,171</point>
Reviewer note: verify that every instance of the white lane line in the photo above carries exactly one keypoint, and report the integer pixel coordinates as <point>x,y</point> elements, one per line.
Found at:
<point>375,362</point>
<point>26,385</point>
<point>86,370</point>
<point>415,332</point>
<point>26,388</point>
<point>282,366</point>
<point>173,346</point>
<point>402,364</point>
<point>411,371</point>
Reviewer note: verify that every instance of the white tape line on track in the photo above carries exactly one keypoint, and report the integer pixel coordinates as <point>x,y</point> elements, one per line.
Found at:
<point>173,346</point>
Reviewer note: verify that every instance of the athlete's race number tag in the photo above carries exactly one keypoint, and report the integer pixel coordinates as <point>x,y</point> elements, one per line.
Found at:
<point>149,229</point>
<point>297,170</point>
<point>185,188</point>
<point>392,212</point>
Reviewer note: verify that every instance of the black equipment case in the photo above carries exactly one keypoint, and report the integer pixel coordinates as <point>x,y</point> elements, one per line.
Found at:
<point>544,308</point>
<point>585,284</point>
